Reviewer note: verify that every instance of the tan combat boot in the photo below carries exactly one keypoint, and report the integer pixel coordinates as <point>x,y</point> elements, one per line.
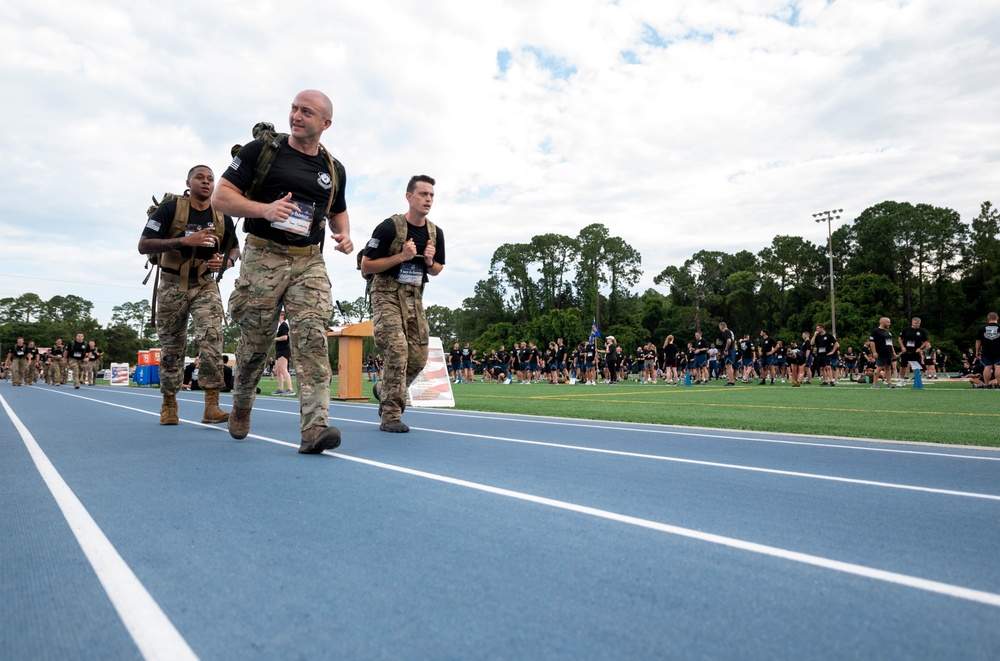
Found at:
<point>317,439</point>
<point>168,410</point>
<point>239,422</point>
<point>213,414</point>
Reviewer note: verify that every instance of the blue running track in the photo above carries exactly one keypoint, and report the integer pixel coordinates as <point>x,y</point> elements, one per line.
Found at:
<point>480,536</point>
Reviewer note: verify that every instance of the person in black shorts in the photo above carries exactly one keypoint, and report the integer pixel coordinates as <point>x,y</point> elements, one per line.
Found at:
<point>881,346</point>
<point>455,363</point>
<point>282,356</point>
<point>911,342</point>
<point>670,353</point>
<point>825,349</point>
<point>988,347</point>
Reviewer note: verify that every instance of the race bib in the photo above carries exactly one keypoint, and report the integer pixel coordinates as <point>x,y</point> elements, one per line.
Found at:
<point>300,222</point>
<point>888,343</point>
<point>410,274</point>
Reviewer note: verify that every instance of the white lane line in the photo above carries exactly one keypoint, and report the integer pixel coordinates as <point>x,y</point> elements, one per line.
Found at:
<point>715,464</point>
<point>153,632</point>
<point>621,453</point>
<point>683,431</point>
<point>958,592</point>
<point>937,587</point>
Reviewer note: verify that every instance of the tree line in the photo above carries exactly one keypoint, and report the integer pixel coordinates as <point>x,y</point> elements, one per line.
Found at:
<point>895,259</point>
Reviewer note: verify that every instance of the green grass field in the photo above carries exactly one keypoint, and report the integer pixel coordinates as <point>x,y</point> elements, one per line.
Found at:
<point>941,412</point>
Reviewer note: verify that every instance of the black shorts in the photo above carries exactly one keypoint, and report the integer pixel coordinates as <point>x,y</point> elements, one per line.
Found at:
<point>908,357</point>
<point>285,353</point>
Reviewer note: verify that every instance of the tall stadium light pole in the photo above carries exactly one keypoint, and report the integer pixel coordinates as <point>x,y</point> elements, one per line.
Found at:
<point>829,217</point>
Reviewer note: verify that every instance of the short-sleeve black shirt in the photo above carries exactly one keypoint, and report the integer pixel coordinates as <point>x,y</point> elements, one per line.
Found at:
<point>913,338</point>
<point>306,177</point>
<point>382,238</point>
<point>989,340</point>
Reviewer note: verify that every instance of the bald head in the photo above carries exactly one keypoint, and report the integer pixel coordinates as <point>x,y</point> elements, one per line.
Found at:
<point>317,100</point>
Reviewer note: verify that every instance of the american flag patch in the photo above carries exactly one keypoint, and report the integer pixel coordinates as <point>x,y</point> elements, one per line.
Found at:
<point>235,165</point>
<point>153,225</point>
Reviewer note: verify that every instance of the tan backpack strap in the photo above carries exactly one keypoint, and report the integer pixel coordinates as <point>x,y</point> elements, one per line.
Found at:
<point>333,178</point>
<point>431,234</point>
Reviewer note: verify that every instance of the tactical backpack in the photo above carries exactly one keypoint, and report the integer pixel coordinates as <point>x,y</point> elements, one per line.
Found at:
<point>395,248</point>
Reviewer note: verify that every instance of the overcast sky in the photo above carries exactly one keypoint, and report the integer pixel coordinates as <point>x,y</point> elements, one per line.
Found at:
<point>680,124</point>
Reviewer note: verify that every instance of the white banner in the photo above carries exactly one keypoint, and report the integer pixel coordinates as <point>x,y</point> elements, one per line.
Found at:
<point>119,374</point>
<point>432,387</point>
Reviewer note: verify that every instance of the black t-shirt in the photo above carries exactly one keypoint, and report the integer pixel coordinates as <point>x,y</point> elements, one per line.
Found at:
<point>670,351</point>
<point>382,238</point>
<point>18,351</point>
<point>989,340</point>
<point>746,349</point>
<point>78,350</point>
<point>612,356</point>
<point>455,356</point>
<point>158,227</point>
<point>766,346</point>
<point>701,346</point>
<point>282,345</point>
<point>913,338</point>
<point>306,177</point>
<point>883,342</point>
<point>57,352</point>
<point>824,345</point>
<point>725,337</point>
<point>589,352</point>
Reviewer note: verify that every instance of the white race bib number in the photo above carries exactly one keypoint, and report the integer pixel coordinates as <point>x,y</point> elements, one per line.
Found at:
<point>410,274</point>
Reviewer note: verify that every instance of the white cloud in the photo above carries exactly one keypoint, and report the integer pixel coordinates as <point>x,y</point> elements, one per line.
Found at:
<point>680,126</point>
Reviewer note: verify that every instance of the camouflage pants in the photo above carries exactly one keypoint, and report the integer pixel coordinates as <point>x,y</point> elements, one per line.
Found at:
<point>401,334</point>
<point>18,370</point>
<point>57,372</point>
<point>203,304</point>
<point>77,366</point>
<point>268,281</point>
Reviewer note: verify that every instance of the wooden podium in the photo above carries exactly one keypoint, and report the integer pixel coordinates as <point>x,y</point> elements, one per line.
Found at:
<point>351,361</point>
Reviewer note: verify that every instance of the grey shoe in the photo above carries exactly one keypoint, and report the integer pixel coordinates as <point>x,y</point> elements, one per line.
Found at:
<point>394,426</point>
<point>317,439</point>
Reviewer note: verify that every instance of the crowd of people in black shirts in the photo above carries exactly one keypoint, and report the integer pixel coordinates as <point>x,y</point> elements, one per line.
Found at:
<point>884,360</point>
